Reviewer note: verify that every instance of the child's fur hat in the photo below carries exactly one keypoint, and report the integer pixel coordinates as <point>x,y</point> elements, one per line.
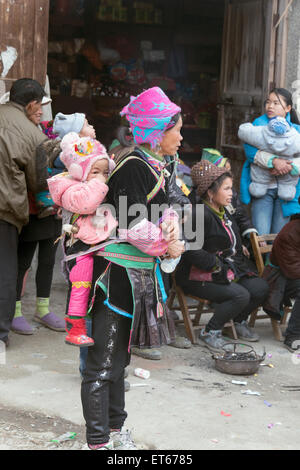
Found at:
<point>80,153</point>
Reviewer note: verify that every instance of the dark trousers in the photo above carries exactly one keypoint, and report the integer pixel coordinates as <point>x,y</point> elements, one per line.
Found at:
<point>293,291</point>
<point>46,261</point>
<point>233,301</point>
<point>8,276</point>
<point>102,389</point>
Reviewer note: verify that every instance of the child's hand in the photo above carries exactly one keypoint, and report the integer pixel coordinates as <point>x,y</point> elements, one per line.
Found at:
<point>101,178</point>
<point>59,213</point>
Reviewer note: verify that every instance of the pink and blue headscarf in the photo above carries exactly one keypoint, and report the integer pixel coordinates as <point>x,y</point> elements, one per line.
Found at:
<point>150,115</point>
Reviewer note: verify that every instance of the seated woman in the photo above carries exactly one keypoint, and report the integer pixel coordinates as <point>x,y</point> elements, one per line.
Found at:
<point>235,208</point>
<point>285,256</point>
<point>219,271</point>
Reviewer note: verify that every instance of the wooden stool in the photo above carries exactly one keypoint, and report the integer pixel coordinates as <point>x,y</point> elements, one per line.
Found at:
<point>259,251</point>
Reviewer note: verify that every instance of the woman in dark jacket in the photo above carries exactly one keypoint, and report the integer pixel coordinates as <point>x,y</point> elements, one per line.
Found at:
<point>219,271</point>
<point>129,307</point>
<point>235,208</point>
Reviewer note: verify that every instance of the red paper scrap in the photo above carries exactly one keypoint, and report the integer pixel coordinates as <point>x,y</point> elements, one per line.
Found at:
<point>225,414</point>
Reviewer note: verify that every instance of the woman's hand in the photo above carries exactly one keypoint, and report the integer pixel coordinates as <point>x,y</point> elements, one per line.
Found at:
<point>281,167</point>
<point>245,251</point>
<point>175,249</point>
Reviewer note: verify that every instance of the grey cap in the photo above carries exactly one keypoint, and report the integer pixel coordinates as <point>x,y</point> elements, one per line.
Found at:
<point>65,123</point>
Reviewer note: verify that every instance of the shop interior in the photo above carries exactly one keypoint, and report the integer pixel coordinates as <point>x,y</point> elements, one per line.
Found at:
<point>101,52</point>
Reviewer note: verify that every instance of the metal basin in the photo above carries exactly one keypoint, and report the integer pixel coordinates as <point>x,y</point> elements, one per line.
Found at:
<point>242,360</point>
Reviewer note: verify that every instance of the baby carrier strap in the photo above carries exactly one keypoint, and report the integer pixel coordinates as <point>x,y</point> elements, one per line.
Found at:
<point>138,154</point>
<point>127,255</point>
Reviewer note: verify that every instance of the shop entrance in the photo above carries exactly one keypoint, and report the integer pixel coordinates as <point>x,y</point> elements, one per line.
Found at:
<point>102,52</point>
<point>216,58</point>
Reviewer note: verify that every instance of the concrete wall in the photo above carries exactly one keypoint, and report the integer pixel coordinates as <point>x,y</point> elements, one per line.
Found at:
<point>293,53</point>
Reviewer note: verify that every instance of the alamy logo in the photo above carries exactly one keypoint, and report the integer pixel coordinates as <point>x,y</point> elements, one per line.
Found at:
<point>192,228</point>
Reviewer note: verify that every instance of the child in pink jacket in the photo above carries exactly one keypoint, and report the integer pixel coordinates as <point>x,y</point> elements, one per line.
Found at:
<point>81,191</point>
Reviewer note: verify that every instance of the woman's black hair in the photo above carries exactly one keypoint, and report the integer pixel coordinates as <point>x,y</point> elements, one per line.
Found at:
<point>26,90</point>
<point>287,96</point>
<point>216,185</point>
<point>125,137</point>
<point>174,120</point>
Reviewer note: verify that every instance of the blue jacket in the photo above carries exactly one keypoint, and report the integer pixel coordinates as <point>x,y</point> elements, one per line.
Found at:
<point>58,167</point>
<point>288,207</point>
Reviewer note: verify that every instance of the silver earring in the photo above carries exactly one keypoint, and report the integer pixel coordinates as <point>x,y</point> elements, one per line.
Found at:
<point>158,148</point>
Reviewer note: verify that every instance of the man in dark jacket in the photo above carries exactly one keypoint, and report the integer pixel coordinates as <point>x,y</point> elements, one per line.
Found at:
<point>23,167</point>
<point>286,255</point>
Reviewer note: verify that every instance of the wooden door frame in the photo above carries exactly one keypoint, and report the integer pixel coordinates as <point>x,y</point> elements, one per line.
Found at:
<point>33,23</point>
<point>275,45</point>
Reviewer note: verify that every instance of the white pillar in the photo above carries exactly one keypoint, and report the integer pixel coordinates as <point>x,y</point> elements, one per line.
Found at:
<point>296,84</point>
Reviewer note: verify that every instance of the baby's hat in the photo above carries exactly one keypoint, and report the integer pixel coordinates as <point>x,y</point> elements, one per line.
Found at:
<point>80,153</point>
<point>279,125</point>
<point>65,123</point>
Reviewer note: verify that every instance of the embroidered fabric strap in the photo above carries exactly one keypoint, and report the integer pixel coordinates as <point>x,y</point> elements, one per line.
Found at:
<point>74,218</point>
<point>160,281</point>
<point>157,187</point>
<point>117,310</point>
<point>159,178</point>
<point>79,284</point>
<point>127,255</point>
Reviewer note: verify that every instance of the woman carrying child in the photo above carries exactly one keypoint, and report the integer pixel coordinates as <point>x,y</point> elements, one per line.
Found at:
<point>269,212</point>
<point>129,305</point>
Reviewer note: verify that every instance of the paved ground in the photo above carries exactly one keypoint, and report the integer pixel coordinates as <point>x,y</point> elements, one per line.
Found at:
<point>185,404</point>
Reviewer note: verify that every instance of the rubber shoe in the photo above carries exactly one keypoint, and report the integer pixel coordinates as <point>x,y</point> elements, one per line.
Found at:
<point>76,330</point>
<point>51,321</point>
<point>292,344</point>
<point>245,333</point>
<point>126,385</point>
<point>151,354</point>
<point>181,342</point>
<point>5,341</point>
<point>21,326</point>
<point>108,446</point>
<point>213,340</point>
<point>122,440</point>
